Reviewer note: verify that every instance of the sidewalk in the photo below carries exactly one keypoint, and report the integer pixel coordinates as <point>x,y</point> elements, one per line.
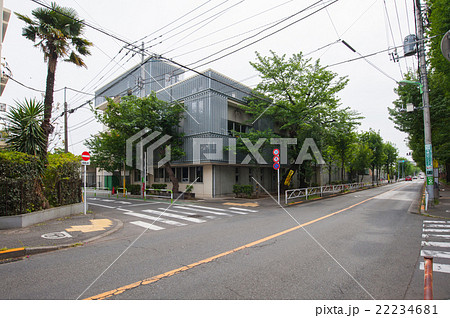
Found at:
<point>55,234</point>
<point>441,210</point>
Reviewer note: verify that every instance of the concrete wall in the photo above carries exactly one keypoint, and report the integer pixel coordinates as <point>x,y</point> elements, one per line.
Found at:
<point>24,220</point>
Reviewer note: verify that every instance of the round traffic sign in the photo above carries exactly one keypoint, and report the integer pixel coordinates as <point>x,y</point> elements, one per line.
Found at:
<point>276,159</point>
<point>276,152</point>
<point>85,156</point>
<point>276,166</point>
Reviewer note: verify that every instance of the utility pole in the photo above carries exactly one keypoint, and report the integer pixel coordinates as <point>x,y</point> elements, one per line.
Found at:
<point>426,102</point>
<point>142,77</point>
<point>66,138</point>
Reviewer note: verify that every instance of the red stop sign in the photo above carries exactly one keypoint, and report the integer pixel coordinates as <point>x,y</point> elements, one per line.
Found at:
<point>85,156</point>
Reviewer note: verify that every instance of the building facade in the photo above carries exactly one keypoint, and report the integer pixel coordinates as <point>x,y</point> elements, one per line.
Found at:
<point>213,110</point>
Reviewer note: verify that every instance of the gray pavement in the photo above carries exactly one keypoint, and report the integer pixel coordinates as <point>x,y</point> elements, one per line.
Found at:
<point>55,234</point>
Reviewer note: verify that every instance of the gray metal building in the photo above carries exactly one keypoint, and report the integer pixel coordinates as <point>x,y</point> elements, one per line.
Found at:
<point>213,109</point>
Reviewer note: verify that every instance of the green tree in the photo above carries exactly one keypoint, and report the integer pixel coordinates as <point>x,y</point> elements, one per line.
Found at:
<point>362,157</point>
<point>126,118</point>
<point>24,130</point>
<point>391,154</point>
<point>57,32</point>
<point>299,97</point>
<point>376,145</point>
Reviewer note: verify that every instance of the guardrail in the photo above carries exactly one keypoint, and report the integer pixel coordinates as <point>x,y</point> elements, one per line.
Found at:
<point>307,192</point>
<point>157,195</point>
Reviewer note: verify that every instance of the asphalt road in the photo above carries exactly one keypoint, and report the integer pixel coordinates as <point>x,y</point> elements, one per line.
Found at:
<point>363,245</point>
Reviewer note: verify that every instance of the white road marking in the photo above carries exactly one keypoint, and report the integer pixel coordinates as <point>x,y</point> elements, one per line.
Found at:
<point>103,206</point>
<point>139,204</point>
<point>245,210</point>
<point>436,230</point>
<point>443,268</point>
<point>436,235</point>
<point>147,225</point>
<point>156,219</point>
<point>203,207</point>
<point>106,200</point>
<point>431,221</point>
<point>192,209</point>
<point>123,202</point>
<point>436,244</point>
<point>439,226</point>
<point>176,216</point>
<point>435,254</point>
<point>124,210</point>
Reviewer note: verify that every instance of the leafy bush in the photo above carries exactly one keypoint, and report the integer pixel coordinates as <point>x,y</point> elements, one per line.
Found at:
<point>159,186</point>
<point>240,189</point>
<point>20,183</point>
<point>189,188</point>
<point>134,189</point>
<point>62,180</point>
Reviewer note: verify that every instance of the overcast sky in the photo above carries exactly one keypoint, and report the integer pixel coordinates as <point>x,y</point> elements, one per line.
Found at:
<point>189,31</point>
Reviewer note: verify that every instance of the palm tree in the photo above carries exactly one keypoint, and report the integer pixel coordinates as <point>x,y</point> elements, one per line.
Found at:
<point>57,32</point>
<point>24,130</point>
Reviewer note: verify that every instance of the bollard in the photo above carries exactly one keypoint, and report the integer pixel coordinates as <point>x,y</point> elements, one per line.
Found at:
<point>428,278</point>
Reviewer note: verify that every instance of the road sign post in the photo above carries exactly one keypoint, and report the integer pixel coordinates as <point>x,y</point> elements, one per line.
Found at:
<point>85,156</point>
<point>276,166</point>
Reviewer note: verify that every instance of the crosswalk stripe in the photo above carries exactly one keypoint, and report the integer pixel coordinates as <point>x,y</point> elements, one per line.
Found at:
<point>156,219</point>
<point>176,216</point>
<point>435,254</point>
<point>123,202</point>
<point>192,209</point>
<point>208,208</point>
<point>106,200</point>
<point>102,205</point>
<point>443,226</point>
<point>436,235</point>
<point>436,230</point>
<point>436,244</point>
<point>443,268</point>
<point>147,225</point>
<point>186,213</point>
<point>245,210</point>
<point>430,221</point>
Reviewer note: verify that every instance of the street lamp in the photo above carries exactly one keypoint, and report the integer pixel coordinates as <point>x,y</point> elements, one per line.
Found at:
<point>407,82</point>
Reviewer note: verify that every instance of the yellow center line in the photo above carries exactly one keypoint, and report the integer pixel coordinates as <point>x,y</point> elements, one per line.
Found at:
<point>156,278</point>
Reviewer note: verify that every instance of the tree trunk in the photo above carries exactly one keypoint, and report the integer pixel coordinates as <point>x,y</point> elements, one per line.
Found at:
<point>48,101</point>
<point>173,179</point>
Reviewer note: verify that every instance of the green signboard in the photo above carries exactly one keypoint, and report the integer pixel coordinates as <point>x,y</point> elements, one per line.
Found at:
<point>430,181</point>
<point>428,160</point>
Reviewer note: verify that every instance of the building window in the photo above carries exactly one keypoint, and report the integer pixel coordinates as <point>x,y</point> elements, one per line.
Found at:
<point>199,174</point>
<point>191,174</point>
<point>234,128</point>
<point>185,175</point>
<point>137,175</point>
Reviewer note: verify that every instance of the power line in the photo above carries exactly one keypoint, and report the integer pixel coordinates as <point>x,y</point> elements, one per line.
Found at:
<point>177,19</point>
<point>266,36</point>
<point>228,26</point>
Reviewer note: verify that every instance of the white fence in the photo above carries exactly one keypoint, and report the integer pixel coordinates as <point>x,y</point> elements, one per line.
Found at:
<point>308,192</point>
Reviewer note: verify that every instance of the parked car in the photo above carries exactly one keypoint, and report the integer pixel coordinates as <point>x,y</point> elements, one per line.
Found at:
<point>408,178</point>
<point>414,178</point>
<point>422,177</point>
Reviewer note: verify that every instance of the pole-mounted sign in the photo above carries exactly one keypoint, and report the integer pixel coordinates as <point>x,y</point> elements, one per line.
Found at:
<point>86,161</point>
<point>276,166</point>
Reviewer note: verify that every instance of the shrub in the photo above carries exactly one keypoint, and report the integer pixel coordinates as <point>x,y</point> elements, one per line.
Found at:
<point>239,189</point>
<point>62,180</point>
<point>20,183</point>
<point>134,189</point>
<point>159,186</point>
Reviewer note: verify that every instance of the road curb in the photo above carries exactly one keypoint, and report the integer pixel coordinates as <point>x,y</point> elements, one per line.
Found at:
<point>25,251</point>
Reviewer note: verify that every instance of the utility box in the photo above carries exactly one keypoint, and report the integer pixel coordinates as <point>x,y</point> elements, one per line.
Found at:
<point>410,45</point>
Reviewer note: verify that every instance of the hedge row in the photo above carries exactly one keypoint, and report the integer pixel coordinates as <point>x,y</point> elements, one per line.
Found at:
<point>27,186</point>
